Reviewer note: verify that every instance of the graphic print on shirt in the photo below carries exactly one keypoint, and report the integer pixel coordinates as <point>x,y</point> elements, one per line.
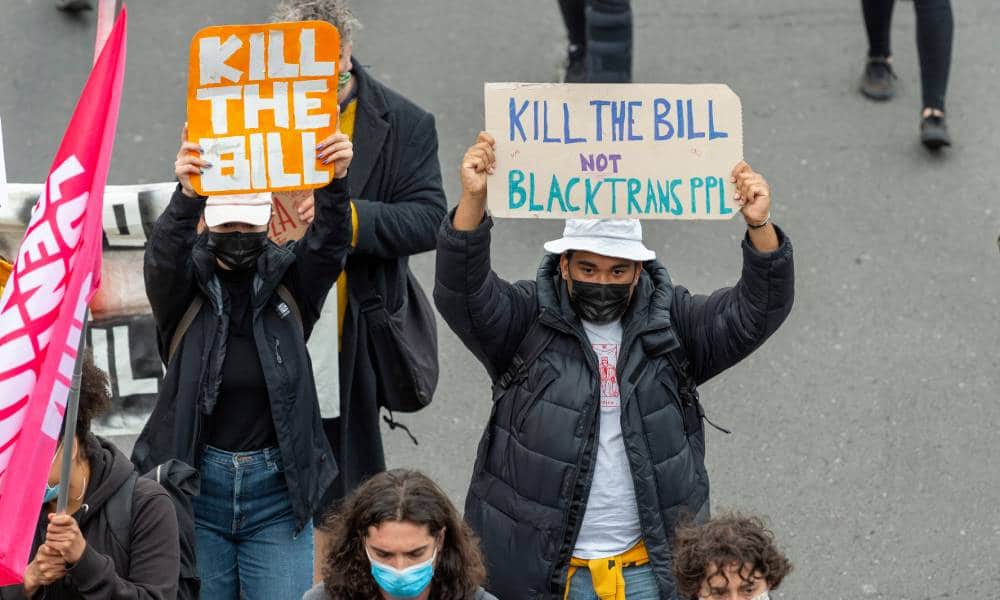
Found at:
<point>607,359</point>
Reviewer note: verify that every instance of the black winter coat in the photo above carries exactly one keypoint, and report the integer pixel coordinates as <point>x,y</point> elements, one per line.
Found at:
<point>396,179</point>
<point>533,470</point>
<point>148,571</point>
<point>178,266</point>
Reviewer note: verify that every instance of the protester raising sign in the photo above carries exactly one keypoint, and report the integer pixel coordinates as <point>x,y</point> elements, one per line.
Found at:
<point>613,151</point>
<point>260,98</point>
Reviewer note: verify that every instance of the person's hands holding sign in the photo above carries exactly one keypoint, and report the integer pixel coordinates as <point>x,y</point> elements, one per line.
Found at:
<point>337,150</point>
<point>478,163</point>
<point>188,163</point>
<point>754,197</point>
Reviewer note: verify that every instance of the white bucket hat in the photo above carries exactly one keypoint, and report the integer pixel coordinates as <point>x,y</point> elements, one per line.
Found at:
<point>254,209</point>
<point>618,238</point>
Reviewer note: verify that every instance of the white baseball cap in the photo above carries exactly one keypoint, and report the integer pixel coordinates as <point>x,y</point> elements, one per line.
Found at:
<point>254,209</point>
<point>618,238</point>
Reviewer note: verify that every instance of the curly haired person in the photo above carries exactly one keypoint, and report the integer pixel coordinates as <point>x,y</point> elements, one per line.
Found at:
<point>732,557</point>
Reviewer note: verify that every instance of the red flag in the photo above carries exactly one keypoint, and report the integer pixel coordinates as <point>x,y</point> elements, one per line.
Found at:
<point>57,271</point>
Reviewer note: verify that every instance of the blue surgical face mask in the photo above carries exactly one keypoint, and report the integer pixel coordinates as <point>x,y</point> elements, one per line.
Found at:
<point>403,583</point>
<point>51,493</point>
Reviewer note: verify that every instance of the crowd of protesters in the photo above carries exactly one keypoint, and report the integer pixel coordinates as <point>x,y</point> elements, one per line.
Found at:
<point>590,478</point>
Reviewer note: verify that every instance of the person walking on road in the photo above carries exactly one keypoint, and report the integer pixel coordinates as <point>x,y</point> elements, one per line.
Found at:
<point>935,27</point>
<point>582,473</point>
<point>397,204</point>
<point>399,536</point>
<point>233,312</point>
<point>729,558</point>
<point>600,40</point>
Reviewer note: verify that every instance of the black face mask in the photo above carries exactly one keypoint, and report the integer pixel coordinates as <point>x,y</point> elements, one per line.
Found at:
<point>237,250</point>
<point>600,302</point>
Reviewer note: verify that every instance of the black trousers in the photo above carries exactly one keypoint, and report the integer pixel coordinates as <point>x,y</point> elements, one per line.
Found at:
<point>935,27</point>
<point>604,29</point>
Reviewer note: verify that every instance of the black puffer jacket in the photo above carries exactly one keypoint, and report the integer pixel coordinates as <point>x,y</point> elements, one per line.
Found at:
<point>532,475</point>
<point>105,571</point>
<point>178,267</point>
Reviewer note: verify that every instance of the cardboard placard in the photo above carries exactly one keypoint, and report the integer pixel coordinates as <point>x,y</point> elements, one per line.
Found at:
<point>647,151</point>
<point>285,222</point>
<point>260,98</point>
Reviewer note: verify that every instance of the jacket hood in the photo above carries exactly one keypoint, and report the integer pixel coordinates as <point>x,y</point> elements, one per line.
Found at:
<point>109,469</point>
<point>650,304</point>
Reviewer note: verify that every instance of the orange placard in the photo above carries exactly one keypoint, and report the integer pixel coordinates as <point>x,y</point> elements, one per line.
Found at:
<point>260,98</point>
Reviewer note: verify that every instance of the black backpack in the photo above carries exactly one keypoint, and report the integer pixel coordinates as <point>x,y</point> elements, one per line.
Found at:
<point>181,482</point>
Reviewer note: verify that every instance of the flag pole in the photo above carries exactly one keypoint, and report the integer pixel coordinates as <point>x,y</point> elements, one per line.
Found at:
<point>69,422</point>
<point>107,12</point>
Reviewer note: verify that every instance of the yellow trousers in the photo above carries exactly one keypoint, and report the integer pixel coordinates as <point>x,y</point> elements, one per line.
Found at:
<point>606,573</point>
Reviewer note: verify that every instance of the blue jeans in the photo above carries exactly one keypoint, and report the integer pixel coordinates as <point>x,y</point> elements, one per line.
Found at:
<point>640,584</point>
<point>245,527</point>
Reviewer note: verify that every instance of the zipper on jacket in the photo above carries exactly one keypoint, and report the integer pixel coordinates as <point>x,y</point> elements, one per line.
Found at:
<point>277,351</point>
<point>565,550</point>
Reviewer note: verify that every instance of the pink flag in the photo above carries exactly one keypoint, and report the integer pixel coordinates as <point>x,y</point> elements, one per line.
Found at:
<point>56,273</point>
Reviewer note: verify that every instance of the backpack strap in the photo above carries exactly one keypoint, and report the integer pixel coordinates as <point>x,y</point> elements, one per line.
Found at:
<point>195,307</point>
<point>185,323</point>
<point>118,512</point>
<point>688,387</point>
<point>286,296</point>
<point>528,351</point>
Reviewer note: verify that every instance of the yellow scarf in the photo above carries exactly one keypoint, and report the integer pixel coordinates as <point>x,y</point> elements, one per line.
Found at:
<point>606,573</point>
<point>346,126</point>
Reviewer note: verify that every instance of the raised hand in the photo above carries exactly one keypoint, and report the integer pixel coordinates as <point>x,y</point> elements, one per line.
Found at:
<point>189,163</point>
<point>752,193</point>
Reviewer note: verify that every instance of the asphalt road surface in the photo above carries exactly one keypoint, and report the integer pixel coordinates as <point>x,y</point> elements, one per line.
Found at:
<point>866,428</point>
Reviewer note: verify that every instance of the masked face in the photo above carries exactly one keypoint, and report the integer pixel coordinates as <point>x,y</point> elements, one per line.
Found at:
<point>237,250</point>
<point>600,302</point>
<point>403,583</point>
<point>600,287</point>
<point>51,493</point>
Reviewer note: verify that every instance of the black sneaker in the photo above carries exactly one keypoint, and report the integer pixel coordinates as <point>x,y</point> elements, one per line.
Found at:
<point>576,65</point>
<point>73,5</point>
<point>879,80</point>
<point>934,132</point>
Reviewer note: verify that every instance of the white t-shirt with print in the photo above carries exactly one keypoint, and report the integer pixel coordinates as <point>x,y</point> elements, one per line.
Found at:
<point>611,521</point>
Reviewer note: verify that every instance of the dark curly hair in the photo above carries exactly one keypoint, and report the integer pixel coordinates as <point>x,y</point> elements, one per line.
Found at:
<point>404,496</point>
<point>95,395</point>
<point>727,540</point>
